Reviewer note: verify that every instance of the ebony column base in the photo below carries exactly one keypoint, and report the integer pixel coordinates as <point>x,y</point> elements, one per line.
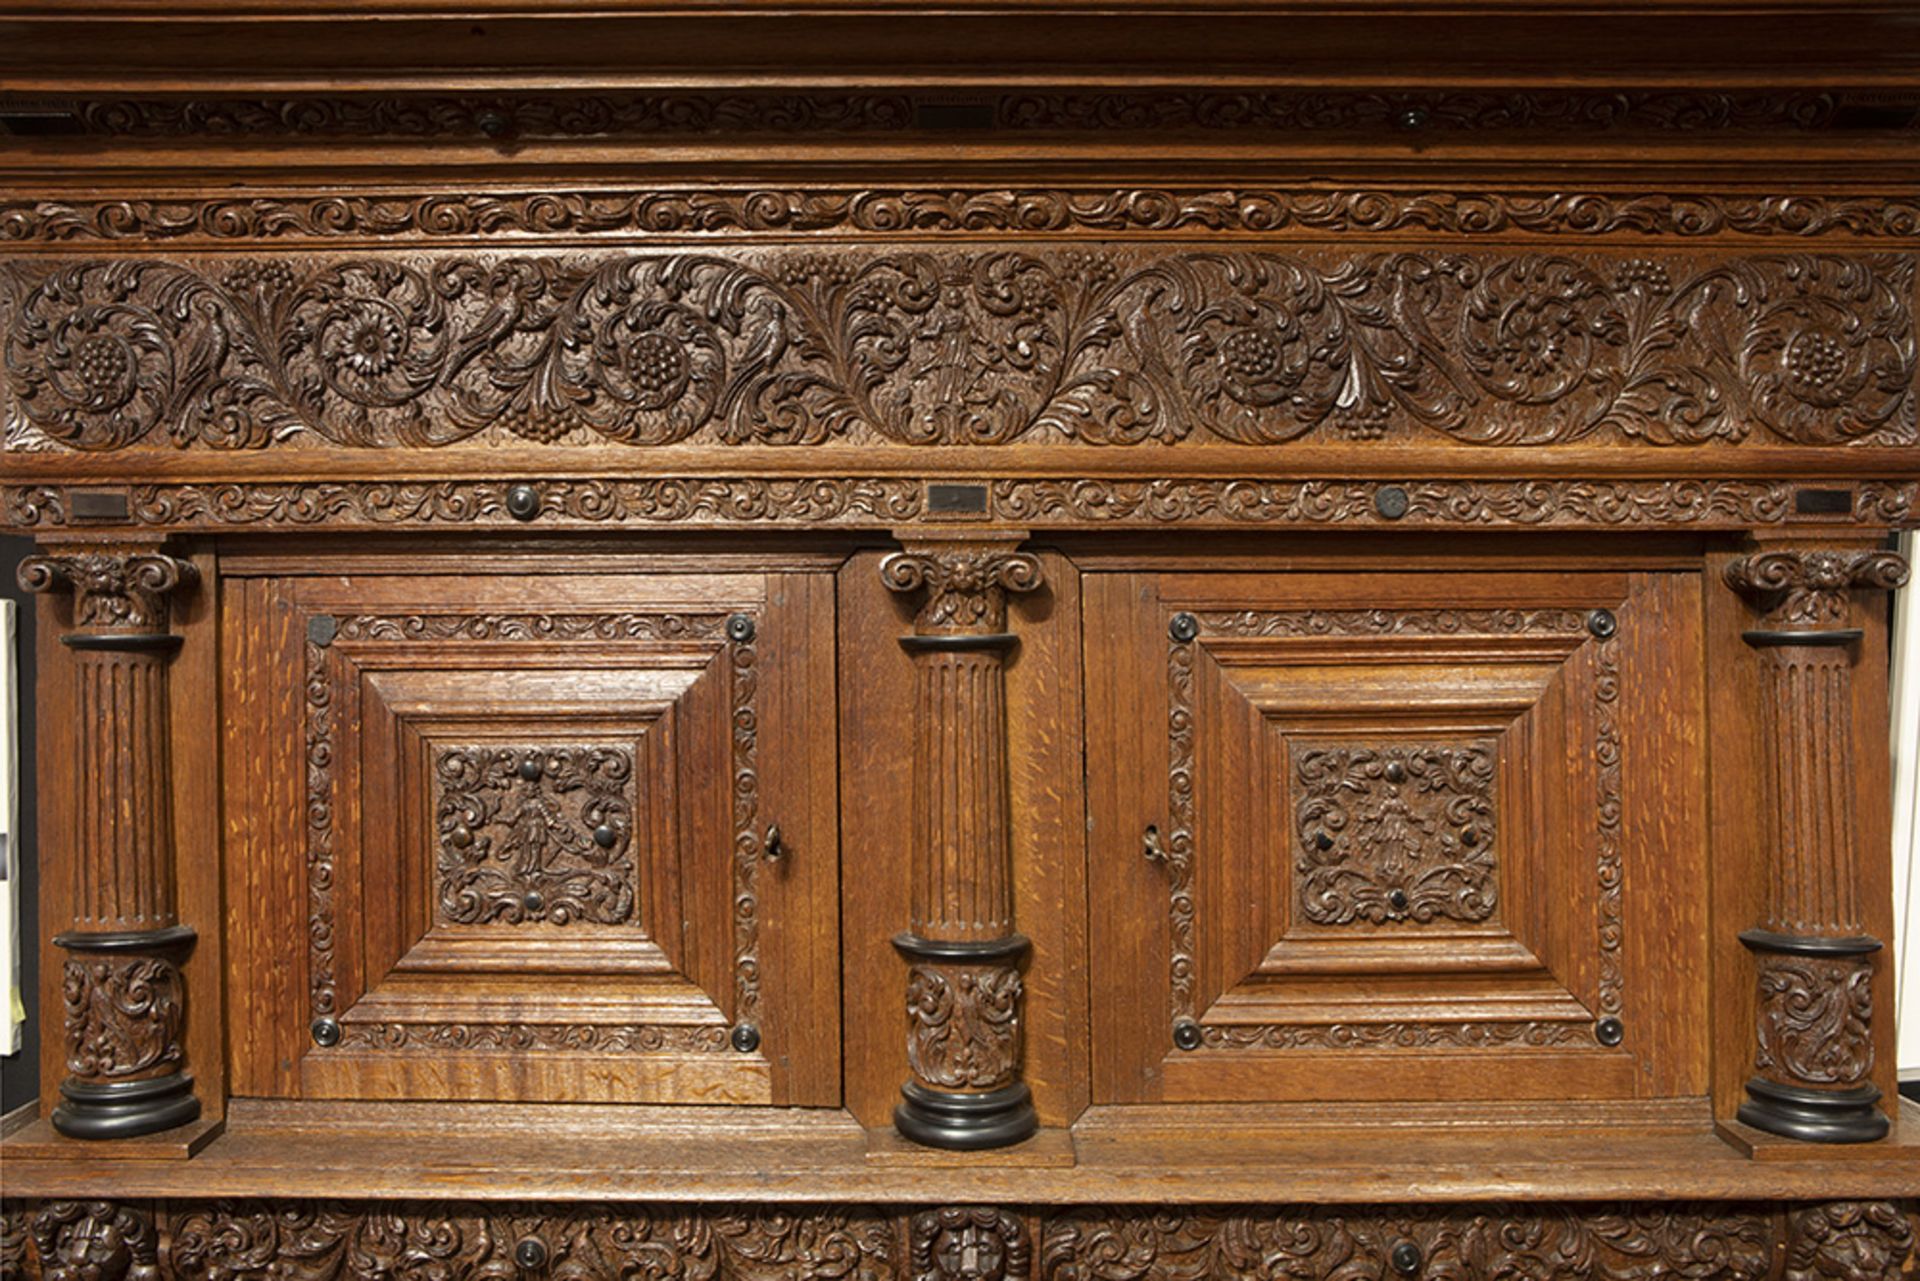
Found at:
<point>1814,1116</point>
<point>965,1122</point>
<point>125,1109</point>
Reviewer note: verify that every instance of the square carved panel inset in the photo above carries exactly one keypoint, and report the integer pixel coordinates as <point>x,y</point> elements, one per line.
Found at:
<point>1394,833</point>
<point>534,833</point>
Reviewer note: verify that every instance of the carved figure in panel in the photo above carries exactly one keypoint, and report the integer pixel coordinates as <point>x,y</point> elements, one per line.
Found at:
<point>1394,834</point>
<point>1103,345</point>
<point>534,834</point>
<point>969,1243</point>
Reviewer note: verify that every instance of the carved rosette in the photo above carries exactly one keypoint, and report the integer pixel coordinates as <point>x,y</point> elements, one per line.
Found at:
<point>1814,1015</point>
<point>963,987</point>
<point>123,992</point>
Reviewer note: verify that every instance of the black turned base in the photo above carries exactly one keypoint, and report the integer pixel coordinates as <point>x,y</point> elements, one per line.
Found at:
<point>965,1122</point>
<point>125,1109</point>
<point>1815,1116</point>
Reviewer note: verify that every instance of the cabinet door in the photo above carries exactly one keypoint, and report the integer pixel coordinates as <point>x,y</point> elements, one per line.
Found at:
<point>564,838</point>
<point>1395,836</point>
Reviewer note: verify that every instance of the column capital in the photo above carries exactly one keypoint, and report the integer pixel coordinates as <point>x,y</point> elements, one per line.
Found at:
<point>116,588</point>
<point>1811,587</point>
<point>966,580</point>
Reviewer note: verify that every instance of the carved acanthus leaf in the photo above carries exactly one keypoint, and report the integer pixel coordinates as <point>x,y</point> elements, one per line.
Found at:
<point>1815,1023</point>
<point>123,1015</point>
<point>963,1025</point>
<point>966,586</point>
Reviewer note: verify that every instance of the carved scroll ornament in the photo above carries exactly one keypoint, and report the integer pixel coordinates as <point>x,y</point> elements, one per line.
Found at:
<point>1102,345</point>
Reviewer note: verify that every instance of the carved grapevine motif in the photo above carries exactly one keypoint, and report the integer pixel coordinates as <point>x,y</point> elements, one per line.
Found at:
<point>535,834</point>
<point>1815,1019</point>
<point>1395,834</point>
<point>963,1025</point>
<point>1103,346</point>
<point>123,1015</point>
<point>438,215</point>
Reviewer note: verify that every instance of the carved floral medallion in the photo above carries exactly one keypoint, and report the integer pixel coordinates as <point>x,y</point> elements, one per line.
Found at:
<point>1394,833</point>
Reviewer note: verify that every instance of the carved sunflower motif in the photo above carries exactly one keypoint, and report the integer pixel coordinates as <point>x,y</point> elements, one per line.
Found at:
<point>89,366</point>
<point>363,338</point>
<point>1529,328</point>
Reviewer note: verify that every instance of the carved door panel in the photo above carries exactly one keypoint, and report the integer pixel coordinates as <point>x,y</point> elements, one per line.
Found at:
<point>1396,836</point>
<point>562,839</point>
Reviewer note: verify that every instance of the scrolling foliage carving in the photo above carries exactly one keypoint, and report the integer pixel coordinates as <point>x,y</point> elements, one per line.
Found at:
<point>1395,834</point>
<point>950,211</point>
<point>964,1025</point>
<point>1105,345</point>
<point>1815,1019</point>
<point>535,834</point>
<point>304,1240</point>
<point>123,1015</point>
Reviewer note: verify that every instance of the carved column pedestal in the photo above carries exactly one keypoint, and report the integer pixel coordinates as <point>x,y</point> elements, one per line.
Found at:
<point>124,995</point>
<point>963,985</point>
<point>1814,1052</point>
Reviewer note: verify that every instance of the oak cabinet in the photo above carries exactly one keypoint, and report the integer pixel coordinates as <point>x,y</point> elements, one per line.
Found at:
<point>518,837</point>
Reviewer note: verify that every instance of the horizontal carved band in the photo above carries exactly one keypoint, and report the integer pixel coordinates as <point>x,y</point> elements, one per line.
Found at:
<point>886,503</point>
<point>1098,345</point>
<point>438,215</point>
<point>603,114</point>
<point>304,1240</point>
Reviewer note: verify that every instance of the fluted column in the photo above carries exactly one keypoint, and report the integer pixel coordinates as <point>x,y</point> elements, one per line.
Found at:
<point>1814,1046</point>
<point>963,955</point>
<point>123,992</point>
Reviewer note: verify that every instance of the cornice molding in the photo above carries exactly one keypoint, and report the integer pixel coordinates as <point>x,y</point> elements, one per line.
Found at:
<point>510,115</point>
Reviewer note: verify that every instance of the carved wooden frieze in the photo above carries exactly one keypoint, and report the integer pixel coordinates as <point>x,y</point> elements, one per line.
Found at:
<point>526,115</point>
<point>1394,834</point>
<point>892,502</point>
<point>950,211</point>
<point>306,1240</point>
<point>535,833</point>
<point>1101,345</point>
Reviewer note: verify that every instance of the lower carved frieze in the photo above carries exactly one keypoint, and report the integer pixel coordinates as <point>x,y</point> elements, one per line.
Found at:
<point>297,1240</point>
<point>892,502</point>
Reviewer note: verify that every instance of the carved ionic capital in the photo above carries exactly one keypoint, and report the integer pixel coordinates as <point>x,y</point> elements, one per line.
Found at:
<point>1812,588</point>
<point>966,584</point>
<point>115,589</point>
